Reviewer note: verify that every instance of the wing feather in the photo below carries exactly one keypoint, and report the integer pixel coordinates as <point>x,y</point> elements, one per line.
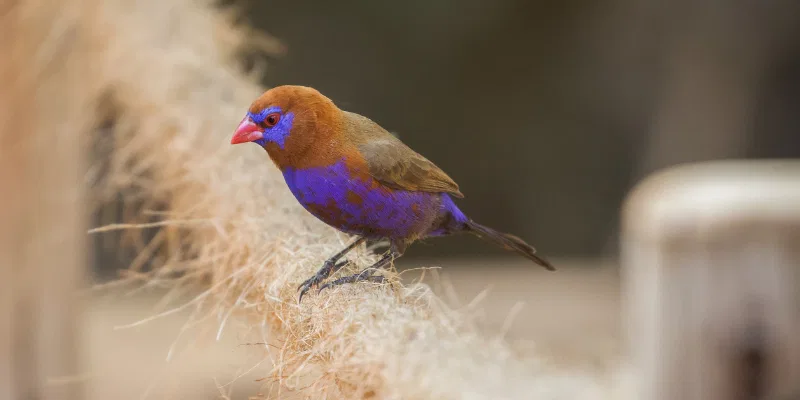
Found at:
<point>393,163</point>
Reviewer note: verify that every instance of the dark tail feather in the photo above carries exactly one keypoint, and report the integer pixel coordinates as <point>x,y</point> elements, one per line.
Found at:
<point>508,242</point>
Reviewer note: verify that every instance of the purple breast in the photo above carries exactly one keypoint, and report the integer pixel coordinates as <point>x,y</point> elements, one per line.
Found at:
<point>362,206</point>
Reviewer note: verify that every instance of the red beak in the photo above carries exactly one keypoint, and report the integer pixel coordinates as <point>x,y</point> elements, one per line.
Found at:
<point>247,132</point>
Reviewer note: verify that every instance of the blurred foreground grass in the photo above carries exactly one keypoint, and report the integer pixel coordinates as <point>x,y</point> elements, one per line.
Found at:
<point>570,318</point>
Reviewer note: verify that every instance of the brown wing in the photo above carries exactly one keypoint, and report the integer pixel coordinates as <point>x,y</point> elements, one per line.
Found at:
<point>393,163</point>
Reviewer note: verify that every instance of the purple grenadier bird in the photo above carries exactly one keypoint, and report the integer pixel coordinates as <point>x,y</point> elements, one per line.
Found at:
<point>355,176</point>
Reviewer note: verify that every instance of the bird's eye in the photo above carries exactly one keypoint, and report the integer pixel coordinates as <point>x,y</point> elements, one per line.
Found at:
<point>272,120</point>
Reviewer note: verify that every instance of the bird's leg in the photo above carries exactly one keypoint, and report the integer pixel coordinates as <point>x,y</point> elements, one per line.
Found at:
<point>328,268</point>
<point>367,274</point>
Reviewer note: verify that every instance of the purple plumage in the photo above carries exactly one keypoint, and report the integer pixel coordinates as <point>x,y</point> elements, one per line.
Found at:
<point>356,204</point>
<point>355,176</point>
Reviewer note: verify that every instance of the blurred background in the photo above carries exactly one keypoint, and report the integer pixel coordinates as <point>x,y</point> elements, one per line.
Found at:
<point>545,112</point>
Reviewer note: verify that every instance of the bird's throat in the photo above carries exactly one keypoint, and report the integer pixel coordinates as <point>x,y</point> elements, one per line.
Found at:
<point>303,155</point>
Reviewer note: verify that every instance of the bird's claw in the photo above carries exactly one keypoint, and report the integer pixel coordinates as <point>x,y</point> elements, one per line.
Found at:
<point>327,269</point>
<point>366,275</point>
<point>305,288</point>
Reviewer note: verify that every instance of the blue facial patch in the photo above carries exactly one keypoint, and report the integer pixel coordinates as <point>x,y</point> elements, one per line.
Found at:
<point>259,116</point>
<point>278,133</point>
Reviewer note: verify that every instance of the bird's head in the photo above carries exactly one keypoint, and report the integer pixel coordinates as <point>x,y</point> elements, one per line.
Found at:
<point>287,121</point>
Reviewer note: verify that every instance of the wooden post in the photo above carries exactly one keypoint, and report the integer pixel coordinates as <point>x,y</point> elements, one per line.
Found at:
<point>711,280</point>
<point>44,107</point>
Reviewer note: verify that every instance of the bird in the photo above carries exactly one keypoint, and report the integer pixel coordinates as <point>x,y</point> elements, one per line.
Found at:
<point>355,176</point>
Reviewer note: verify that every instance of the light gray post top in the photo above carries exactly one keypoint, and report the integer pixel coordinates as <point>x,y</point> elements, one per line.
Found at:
<point>701,196</point>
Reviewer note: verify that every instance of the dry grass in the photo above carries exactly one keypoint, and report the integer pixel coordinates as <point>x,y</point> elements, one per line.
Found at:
<point>222,218</point>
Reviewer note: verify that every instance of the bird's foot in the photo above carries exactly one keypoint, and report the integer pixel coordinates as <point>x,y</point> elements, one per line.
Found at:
<point>365,275</point>
<point>327,270</point>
